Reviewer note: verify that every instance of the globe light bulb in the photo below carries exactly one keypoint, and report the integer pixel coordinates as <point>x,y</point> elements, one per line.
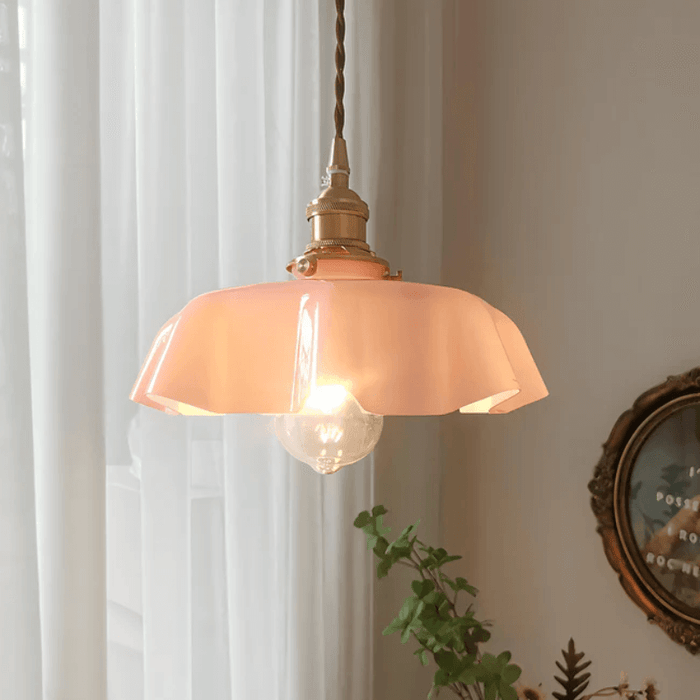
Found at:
<point>330,431</point>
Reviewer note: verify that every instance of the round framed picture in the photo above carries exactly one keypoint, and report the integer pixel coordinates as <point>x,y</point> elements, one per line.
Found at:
<point>646,497</point>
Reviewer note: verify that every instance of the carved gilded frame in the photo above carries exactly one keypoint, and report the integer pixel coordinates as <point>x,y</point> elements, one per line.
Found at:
<point>609,488</point>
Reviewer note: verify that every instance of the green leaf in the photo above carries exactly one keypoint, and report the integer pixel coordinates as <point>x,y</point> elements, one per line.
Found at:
<point>448,661</point>
<point>381,528</point>
<point>481,635</point>
<point>507,692</point>
<point>441,678</point>
<point>380,546</point>
<point>394,626</point>
<point>422,654</point>
<point>406,634</point>
<point>435,597</point>
<point>510,674</point>
<point>363,519</point>
<point>383,567</point>
<point>447,560</point>
<point>504,657</point>
<point>429,611</point>
<point>401,547</point>
<point>434,625</point>
<point>379,510</point>
<point>489,662</point>
<point>408,608</point>
<point>409,530</point>
<point>444,608</point>
<point>399,550</point>
<point>459,585</point>
<point>490,691</point>
<point>462,585</point>
<point>422,588</point>
<point>417,613</point>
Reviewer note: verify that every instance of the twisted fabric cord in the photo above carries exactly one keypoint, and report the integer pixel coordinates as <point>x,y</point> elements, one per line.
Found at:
<point>339,67</point>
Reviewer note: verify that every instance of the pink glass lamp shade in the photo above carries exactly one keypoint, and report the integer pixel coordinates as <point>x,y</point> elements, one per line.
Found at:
<point>344,344</point>
<point>398,348</point>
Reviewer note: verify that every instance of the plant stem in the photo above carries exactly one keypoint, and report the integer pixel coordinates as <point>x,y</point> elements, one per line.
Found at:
<point>608,692</point>
<point>435,579</point>
<point>457,691</point>
<point>418,567</point>
<point>404,563</point>
<point>421,569</point>
<point>467,691</point>
<point>455,687</point>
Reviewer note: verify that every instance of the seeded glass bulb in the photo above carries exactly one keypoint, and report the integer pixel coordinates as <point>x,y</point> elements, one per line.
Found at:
<point>331,431</point>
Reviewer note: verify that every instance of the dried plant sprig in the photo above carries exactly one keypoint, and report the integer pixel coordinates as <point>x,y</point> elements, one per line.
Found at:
<point>649,690</point>
<point>574,681</point>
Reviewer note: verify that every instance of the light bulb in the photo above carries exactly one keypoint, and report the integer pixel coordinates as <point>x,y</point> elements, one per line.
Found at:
<point>330,431</point>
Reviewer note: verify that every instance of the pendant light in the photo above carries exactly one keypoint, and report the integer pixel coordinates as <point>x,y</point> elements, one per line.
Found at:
<point>340,346</point>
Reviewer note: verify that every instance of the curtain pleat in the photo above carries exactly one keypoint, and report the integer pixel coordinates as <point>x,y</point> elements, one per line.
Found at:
<point>65,295</point>
<point>20,641</point>
<point>163,276</point>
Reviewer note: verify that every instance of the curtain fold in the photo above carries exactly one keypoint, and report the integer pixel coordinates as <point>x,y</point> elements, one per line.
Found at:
<point>20,641</point>
<point>65,321</point>
<point>172,148</point>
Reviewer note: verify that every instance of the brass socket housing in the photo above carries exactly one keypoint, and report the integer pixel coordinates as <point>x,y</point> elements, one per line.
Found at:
<point>338,219</point>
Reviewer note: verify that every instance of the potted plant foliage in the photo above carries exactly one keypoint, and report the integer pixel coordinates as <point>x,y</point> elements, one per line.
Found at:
<point>441,621</point>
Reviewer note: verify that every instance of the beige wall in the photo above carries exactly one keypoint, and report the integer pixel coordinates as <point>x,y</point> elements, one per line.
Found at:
<point>572,195</point>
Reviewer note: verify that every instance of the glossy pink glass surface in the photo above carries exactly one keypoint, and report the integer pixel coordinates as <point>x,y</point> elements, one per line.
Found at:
<point>400,348</point>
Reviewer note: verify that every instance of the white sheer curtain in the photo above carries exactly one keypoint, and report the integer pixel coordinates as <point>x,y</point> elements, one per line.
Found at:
<point>20,638</point>
<point>172,146</point>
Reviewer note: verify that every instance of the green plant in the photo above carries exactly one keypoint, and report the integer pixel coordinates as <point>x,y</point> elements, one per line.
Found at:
<point>431,616</point>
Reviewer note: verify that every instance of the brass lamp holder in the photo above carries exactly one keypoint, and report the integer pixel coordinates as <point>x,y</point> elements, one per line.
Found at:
<point>338,216</point>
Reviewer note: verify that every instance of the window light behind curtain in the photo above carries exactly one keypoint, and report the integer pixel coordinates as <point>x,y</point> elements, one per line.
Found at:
<point>171,146</point>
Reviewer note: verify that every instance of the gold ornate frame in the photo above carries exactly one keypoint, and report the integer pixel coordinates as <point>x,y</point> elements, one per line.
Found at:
<point>609,500</point>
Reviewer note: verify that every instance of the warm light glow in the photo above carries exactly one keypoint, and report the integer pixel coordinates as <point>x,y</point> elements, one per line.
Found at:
<point>329,433</point>
<point>325,399</point>
<point>186,410</point>
<point>485,405</point>
<point>331,430</point>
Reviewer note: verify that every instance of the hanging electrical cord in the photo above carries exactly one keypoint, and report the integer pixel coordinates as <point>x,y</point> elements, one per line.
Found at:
<point>339,68</point>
